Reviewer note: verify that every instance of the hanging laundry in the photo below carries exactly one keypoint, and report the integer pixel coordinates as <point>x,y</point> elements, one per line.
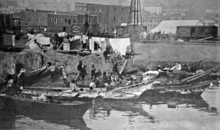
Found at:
<point>84,38</point>
<point>62,34</point>
<point>120,45</point>
<point>91,45</point>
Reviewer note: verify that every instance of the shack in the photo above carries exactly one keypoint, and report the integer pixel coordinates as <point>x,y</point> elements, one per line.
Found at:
<point>197,32</point>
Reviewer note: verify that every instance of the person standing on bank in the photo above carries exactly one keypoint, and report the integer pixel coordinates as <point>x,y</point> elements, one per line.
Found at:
<point>93,70</point>
<point>79,69</point>
<point>83,72</point>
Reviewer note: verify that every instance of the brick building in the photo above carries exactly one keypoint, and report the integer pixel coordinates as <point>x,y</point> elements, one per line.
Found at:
<point>32,20</point>
<point>56,21</point>
<point>109,16</point>
<point>58,5</point>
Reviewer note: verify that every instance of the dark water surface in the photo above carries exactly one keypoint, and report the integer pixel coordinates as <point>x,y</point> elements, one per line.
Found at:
<point>154,112</point>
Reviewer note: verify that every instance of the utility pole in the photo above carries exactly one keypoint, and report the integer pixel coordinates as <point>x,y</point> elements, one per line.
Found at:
<point>218,18</point>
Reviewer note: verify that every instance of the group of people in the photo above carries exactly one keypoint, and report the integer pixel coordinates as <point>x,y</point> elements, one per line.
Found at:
<point>97,78</point>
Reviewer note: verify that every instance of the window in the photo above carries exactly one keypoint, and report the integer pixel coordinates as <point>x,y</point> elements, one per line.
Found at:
<point>80,18</point>
<point>81,7</point>
<point>114,18</point>
<point>65,20</point>
<point>122,9</point>
<point>69,21</point>
<point>36,20</point>
<point>60,20</point>
<point>121,18</point>
<point>114,9</point>
<point>39,19</point>
<point>74,21</point>
<point>50,19</point>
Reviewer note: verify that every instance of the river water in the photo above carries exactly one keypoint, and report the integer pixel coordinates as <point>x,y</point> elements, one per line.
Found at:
<point>154,112</point>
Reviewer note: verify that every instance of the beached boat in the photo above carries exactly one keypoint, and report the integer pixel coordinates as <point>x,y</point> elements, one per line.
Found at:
<point>128,92</point>
<point>63,94</point>
<point>192,89</point>
<point>50,92</point>
<point>42,109</point>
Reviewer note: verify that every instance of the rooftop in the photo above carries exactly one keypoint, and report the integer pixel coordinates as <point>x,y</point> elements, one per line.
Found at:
<point>106,2</point>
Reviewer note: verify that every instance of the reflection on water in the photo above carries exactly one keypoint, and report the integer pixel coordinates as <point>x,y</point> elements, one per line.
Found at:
<point>151,110</point>
<point>10,117</point>
<point>7,114</point>
<point>156,111</point>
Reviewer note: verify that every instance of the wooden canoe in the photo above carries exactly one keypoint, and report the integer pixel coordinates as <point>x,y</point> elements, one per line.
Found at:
<point>41,109</point>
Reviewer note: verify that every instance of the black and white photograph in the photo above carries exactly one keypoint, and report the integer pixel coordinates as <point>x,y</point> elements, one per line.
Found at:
<point>109,64</point>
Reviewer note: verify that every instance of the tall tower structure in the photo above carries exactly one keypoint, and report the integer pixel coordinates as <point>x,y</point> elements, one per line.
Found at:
<point>135,17</point>
<point>134,24</point>
<point>218,18</point>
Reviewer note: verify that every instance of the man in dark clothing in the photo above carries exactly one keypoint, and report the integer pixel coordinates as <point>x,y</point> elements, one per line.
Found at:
<point>83,72</point>
<point>105,78</point>
<point>115,69</point>
<point>79,68</point>
<point>93,70</point>
<point>105,54</point>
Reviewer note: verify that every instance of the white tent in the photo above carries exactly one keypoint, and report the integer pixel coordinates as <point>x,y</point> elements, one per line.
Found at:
<point>170,26</point>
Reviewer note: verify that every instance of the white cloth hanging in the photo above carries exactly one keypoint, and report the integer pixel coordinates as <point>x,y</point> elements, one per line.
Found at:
<point>120,44</point>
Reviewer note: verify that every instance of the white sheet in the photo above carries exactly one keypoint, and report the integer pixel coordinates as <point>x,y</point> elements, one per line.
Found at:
<point>84,38</point>
<point>91,45</point>
<point>120,44</point>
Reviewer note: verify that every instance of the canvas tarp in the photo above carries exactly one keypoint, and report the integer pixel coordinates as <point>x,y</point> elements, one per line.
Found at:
<point>120,44</point>
<point>170,26</point>
<point>40,39</point>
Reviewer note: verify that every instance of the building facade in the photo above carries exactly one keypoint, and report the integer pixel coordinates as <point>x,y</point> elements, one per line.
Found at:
<point>176,13</point>
<point>109,16</point>
<point>56,21</point>
<point>153,20</point>
<point>57,5</point>
<point>11,9</point>
<point>111,13</point>
<point>118,15</point>
<point>152,10</point>
<point>32,20</point>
